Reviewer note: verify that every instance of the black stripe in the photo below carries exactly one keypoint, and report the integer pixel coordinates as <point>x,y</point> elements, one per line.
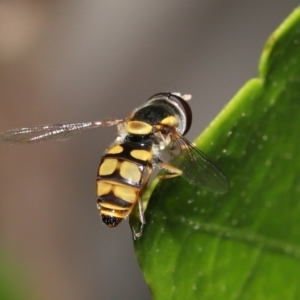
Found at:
<point>127,148</point>
<point>116,177</point>
<point>112,199</point>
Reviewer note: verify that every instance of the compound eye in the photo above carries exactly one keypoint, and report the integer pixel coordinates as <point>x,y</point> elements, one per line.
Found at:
<point>185,108</point>
<point>181,103</point>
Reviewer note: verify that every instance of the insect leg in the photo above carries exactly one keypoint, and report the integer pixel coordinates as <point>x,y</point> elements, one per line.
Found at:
<point>173,171</point>
<point>142,221</point>
<point>141,199</point>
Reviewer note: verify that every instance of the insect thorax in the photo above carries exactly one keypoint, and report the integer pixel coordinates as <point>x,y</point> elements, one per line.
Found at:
<point>160,112</point>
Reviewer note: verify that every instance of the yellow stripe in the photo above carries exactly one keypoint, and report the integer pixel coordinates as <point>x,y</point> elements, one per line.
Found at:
<point>130,171</point>
<point>112,213</point>
<point>108,166</point>
<point>138,127</point>
<point>118,183</point>
<point>128,194</point>
<point>103,188</point>
<point>170,121</point>
<point>113,206</point>
<point>141,154</point>
<point>115,149</point>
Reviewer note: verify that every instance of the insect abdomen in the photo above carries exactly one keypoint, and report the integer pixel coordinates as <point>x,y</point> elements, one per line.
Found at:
<point>123,172</point>
<point>115,201</point>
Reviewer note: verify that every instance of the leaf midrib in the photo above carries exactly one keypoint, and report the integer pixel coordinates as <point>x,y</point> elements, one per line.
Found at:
<point>267,244</point>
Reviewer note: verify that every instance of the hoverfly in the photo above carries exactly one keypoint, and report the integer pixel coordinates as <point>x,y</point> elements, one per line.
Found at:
<point>125,168</point>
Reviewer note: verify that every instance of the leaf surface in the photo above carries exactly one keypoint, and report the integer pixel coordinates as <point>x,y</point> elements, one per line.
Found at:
<point>244,244</point>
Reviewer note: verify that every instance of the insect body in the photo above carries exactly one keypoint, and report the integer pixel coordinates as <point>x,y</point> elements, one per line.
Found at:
<point>123,174</point>
<point>157,126</point>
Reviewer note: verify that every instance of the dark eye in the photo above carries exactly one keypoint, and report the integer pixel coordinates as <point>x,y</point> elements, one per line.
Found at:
<point>185,108</point>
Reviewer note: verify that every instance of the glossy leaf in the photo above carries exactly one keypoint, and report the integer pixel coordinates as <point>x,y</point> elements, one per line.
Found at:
<point>244,244</point>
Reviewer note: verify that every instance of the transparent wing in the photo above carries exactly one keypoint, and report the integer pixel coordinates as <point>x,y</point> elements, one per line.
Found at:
<point>54,132</point>
<point>197,168</point>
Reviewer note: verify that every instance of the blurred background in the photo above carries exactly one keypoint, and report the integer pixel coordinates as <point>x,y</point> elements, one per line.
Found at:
<point>73,61</point>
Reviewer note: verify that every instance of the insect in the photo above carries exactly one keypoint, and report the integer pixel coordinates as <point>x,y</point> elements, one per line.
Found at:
<point>156,127</point>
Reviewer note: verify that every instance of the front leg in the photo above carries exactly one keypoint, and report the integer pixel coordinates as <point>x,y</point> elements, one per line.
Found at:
<point>173,171</point>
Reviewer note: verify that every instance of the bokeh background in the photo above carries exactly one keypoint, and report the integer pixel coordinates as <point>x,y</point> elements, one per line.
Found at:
<point>73,61</point>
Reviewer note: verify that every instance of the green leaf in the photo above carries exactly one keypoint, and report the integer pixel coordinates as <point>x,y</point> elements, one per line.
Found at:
<point>244,244</point>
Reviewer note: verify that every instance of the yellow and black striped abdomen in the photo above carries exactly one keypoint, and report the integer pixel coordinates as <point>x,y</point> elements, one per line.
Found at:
<point>123,173</point>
